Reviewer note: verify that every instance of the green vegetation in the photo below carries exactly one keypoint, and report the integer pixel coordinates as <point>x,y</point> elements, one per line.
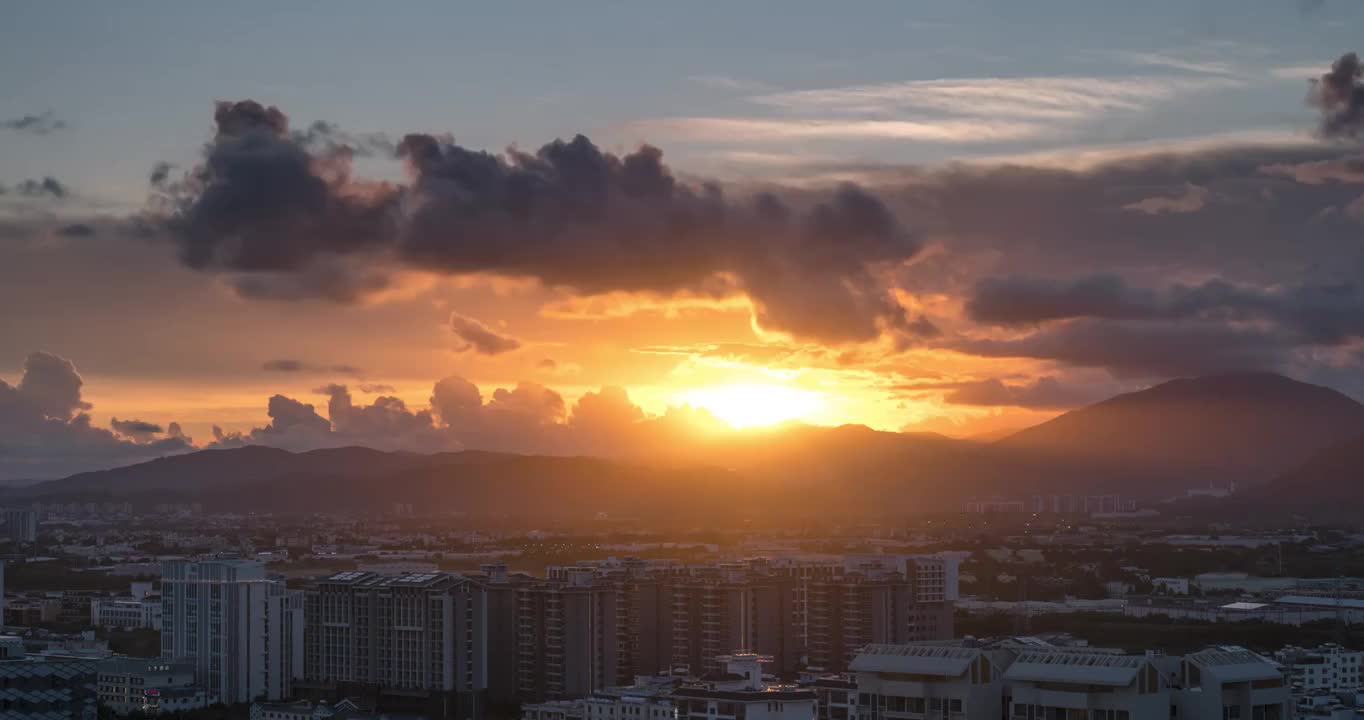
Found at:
<point>1174,636</point>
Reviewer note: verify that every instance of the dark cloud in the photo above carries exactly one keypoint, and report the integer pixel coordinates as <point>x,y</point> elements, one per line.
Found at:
<point>137,430</point>
<point>376,389</point>
<point>1044,393</point>
<point>41,124</point>
<point>261,202</point>
<point>160,173</point>
<point>291,365</point>
<point>48,187</point>
<point>273,206</point>
<point>1339,96</point>
<point>1143,349</point>
<point>547,364</point>
<point>77,230</point>
<point>476,336</point>
<point>45,432</point>
<point>1311,314</point>
<point>283,365</point>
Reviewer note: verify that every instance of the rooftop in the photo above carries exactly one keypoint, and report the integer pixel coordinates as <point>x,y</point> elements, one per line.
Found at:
<point>940,660</point>
<point>1075,666</point>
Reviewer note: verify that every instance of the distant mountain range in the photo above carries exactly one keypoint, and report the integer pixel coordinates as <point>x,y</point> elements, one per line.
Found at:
<point>1250,428</point>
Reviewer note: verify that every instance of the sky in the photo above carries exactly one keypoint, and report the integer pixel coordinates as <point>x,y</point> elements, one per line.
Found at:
<point>554,227</point>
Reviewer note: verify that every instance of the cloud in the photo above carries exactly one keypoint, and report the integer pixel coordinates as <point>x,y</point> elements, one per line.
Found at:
<point>45,431</point>
<point>1046,98</point>
<point>1143,349</point>
<point>48,187</point>
<point>291,365</point>
<point>777,130</point>
<point>376,389</point>
<point>1308,314</point>
<point>1044,393</point>
<point>41,124</point>
<point>1339,96</point>
<point>1190,200</point>
<point>77,230</point>
<point>476,336</point>
<point>136,430</point>
<point>288,220</point>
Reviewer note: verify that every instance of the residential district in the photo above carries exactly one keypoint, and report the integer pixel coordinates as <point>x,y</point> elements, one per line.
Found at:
<point>242,616</point>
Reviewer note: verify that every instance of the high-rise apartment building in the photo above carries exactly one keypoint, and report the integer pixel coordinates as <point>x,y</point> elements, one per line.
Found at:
<point>21,525</point>
<point>567,637</point>
<point>597,624</point>
<point>420,635</point>
<point>237,627</point>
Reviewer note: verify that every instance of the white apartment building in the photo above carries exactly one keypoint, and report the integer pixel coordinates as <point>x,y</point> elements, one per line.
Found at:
<point>1231,683</point>
<point>925,680</point>
<point>126,612</point>
<point>1328,667</point>
<point>1080,684</point>
<point>234,625</point>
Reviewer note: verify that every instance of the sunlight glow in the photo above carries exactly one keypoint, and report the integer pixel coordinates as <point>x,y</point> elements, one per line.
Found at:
<point>750,405</point>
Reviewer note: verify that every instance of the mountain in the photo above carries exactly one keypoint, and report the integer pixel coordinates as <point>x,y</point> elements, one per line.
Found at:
<point>1331,480</point>
<point>793,470</point>
<point>1246,427</point>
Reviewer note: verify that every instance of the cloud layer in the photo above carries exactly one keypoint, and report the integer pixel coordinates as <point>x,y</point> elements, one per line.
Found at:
<point>45,431</point>
<point>290,220</point>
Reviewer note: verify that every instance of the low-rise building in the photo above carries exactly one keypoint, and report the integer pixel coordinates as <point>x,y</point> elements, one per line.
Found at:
<point>126,613</point>
<point>124,682</point>
<point>1231,682</point>
<point>1065,683</point>
<point>929,680</point>
<point>1328,667</point>
<point>48,687</point>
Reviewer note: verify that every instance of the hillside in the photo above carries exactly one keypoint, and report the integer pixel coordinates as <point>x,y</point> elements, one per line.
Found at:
<point>1247,427</point>
<point>1330,480</point>
<point>1148,444</point>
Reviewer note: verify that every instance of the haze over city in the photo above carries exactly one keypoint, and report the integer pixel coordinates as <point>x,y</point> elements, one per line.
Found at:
<point>533,228</point>
<point>762,360</point>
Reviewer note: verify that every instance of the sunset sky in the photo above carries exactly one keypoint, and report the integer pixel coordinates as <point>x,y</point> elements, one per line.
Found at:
<point>957,217</point>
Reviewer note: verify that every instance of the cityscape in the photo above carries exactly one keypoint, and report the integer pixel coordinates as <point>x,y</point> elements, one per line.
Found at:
<point>764,360</point>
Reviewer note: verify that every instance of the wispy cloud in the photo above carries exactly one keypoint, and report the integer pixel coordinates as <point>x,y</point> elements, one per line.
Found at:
<point>1176,62</point>
<point>1035,98</point>
<point>729,83</point>
<point>757,129</point>
<point>40,124</point>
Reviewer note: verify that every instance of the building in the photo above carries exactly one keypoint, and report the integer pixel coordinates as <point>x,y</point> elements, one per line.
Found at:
<point>176,700</point>
<point>126,612</point>
<point>124,683</point>
<point>231,623</point>
<point>567,643</point>
<point>739,693</point>
<point>596,625</point>
<point>1231,682</point>
<point>21,525</point>
<point>736,692</point>
<point>1330,668</point>
<point>422,636</point>
<point>733,605</point>
<point>929,680</point>
<point>45,688</point>
<point>1048,683</point>
<point>1170,585</point>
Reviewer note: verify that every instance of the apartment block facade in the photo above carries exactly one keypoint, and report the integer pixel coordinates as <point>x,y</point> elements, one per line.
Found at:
<point>228,620</point>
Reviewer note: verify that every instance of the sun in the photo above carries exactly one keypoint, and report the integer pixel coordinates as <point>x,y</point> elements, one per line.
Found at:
<point>752,405</point>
